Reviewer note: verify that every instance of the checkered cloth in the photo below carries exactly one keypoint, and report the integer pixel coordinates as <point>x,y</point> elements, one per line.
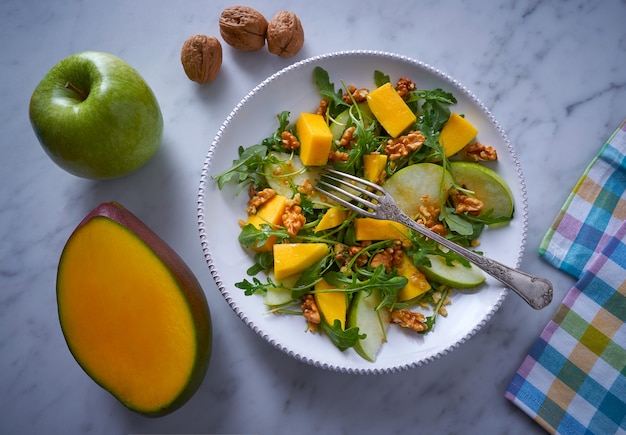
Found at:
<point>573,380</point>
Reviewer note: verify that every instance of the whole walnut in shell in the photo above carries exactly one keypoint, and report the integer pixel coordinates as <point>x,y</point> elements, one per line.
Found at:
<point>243,28</point>
<point>285,35</point>
<point>201,57</point>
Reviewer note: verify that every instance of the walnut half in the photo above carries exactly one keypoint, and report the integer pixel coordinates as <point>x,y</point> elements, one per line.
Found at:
<point>285,35</point>
<point>201,57</point>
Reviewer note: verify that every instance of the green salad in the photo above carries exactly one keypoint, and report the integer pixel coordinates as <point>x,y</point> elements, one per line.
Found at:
<point>351,277</point>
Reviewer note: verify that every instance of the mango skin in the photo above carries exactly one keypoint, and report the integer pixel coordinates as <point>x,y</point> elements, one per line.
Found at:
<point>188,284</point>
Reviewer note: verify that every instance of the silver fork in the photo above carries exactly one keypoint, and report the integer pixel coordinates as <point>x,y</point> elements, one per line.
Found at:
<point>379,204</point>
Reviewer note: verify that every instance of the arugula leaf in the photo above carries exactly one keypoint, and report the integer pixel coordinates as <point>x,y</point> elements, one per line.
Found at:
<point>341,338</point>
<point>336,105</point>
<point>389,284</point>
<point>252,236</point>
<point>430,320</point>
<point>245,167</point>
<point>256,286</point>
<point>262,261</point>
<point>380,78</point>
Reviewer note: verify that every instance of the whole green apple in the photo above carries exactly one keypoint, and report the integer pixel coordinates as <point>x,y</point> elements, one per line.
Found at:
<point>95,116</point>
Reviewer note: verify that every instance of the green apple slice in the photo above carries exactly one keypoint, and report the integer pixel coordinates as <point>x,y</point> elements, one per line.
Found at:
<point>286,172</point>
<point>372,323</point>
<point>419,184</point>
<point>487,185</point>
<point>455,275</point>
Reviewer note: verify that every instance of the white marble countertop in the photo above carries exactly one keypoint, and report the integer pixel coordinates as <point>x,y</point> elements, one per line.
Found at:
<point>553,73</point>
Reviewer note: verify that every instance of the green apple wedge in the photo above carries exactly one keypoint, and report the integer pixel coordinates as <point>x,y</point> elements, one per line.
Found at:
<point>486,185</point>
<point>453,275</point>
<point>95,116</point>
<point>371,322</point>
<point>417,185</point>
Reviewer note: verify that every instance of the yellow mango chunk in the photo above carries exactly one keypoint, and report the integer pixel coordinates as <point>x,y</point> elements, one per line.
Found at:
<point>333,305</point>
<point>292,258</point>
<point>333,217</point>
<point>270,213</point>
<point>417,285</point>
<point>315,139</point>
<point>374,166</point>
<point>456,133</point>
<point>390,109</point>
<point>378,229</point>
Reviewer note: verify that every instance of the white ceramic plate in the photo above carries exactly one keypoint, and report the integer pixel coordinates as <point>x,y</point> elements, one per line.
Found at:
<point>253,119</point>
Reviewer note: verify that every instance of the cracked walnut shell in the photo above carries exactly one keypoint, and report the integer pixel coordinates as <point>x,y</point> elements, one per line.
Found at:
<point>243,28</point>
<point>285,35</point>
<point>201,57</point>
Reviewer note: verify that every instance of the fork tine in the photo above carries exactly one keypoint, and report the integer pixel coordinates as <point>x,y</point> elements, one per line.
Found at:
<point>344,193</point>
<point>343,202</point>
<point>354,178</point>
<point>351,186</point>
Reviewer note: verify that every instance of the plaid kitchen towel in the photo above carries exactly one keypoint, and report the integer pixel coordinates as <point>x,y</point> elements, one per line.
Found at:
<point>592,212</point>
<point>573,380</point>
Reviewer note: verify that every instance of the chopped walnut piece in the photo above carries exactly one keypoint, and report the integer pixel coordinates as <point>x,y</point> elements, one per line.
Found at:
<point>355,95</point>
<point>338,156</point>
<point>477,151</point>
<point>429,217</point>
<point>257,199</point>
<point>409,319</point>
<point>405,86</point>
<point>292,217</point>
<point>306,187</point>
<point>321,110</point>
<point>289,141</point>
<point>464,203</point>
<point>310,311</point>
<point>348,137</point>
<point>389,258</point>
<point>403,145</point>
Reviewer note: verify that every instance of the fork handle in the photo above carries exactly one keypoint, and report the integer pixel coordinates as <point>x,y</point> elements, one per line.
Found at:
<point>537,292</point>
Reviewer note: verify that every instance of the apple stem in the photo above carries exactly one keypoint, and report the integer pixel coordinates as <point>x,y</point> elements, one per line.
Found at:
<point>80,93</point>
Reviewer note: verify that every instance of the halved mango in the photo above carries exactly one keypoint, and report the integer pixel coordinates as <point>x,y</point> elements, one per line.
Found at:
<point>134,316</point>
<point>456,133</point>
<point>292,258</point>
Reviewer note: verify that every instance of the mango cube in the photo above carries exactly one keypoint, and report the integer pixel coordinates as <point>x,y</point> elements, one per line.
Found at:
<point>417,285</point>
<point>333,217</point>
<point>271,213</point>
<point>292,258</point>
<point>374,166</point>
<point>378,229</point>
<point>390,109</point>
<point>315,139</point>
<point>456,133</point>
<point>333,305</point>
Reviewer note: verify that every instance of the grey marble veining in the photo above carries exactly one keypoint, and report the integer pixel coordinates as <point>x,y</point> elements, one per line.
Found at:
<point>552,72</point>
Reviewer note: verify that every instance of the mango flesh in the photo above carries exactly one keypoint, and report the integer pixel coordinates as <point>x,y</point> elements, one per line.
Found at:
<point>417,284</point>
<point>134,316</point>
<point>456,133</point>
<point>315,139</point>
<point>378,229</point>
<point>292,258</point>
<point>374,166</point>
<point>333,305</point>
<point>333,217</point>
<point>390,109</point>
<point>271,213</point>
